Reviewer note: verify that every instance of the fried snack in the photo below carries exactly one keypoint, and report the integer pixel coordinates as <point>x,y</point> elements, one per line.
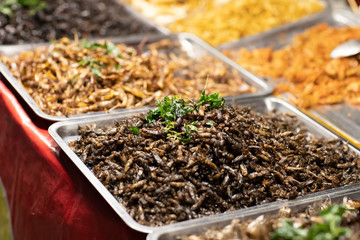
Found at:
<point>72,77</point>
<point>239,18</point>
<point>307,70</point>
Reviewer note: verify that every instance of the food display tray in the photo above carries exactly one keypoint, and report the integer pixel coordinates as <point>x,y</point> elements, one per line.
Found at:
<point>344,118</point>
<point>138,14</point>
<point>190,44</point>
<point>219,222</point>
<point>64,132</point>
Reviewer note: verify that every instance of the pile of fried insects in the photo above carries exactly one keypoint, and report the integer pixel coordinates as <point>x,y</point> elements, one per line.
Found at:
<point>324,221</point>
<point>31,21</point>
<point>77,77</point>
<point>187,159</point>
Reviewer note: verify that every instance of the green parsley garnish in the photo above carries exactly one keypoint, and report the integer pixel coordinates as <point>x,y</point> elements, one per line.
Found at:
<point>94,65</point>
<point>7,6</point>
<point>329,229</point>
<point>214,99</point>
<point>170,109</point>
<point>210,123</point>
<point>135,130</point>
<point>96,71</point>
<point>108,46</point>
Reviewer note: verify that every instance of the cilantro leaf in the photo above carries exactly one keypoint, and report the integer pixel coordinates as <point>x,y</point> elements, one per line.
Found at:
<point>287,231</point>
<point>84,62</point>
<point>214,100</point>
<point>111,48</point>
<point>96,71</point>
<point>28,2</point>
<point>89,45</point>
<point>135,130</point>
<point>210,123</point>
<point>329,229</point>
<point>7,6</point>
<point>193,128</point>
<point>152,115</point>
<point>108,46</point>
<point>169,110</point>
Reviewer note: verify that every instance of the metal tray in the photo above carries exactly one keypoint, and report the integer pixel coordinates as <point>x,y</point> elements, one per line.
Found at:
<point>172,232</point>
<point>341,118</point>
<point>138,14</point>
<point>64,132</point>
<point>193,46</point>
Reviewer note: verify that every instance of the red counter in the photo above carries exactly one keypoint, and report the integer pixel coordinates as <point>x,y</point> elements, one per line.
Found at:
<point>47,195</point>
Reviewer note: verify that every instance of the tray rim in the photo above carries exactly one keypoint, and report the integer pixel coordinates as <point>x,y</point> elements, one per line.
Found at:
<point>120,209</point>
<point>263,88</point>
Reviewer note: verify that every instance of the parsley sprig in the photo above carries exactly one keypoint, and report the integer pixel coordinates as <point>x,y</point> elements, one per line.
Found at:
<point>34,6</point>
<point>170,109</point>
<point>214,100</point>
<point>135,130</point>
<point>328,229</point>
<point>108,46</point>
<point>94,65</point>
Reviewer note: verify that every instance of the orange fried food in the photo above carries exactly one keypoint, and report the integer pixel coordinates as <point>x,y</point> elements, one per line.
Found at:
<point>307,70</point>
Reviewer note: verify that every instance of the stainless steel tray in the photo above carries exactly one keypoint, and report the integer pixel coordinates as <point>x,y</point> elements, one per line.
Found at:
<point>326,3</point>
<point>172,232</point>
<point>64,132</point>
<point>341,118</point>
<point>138,15</point>
<point>193,46</point>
